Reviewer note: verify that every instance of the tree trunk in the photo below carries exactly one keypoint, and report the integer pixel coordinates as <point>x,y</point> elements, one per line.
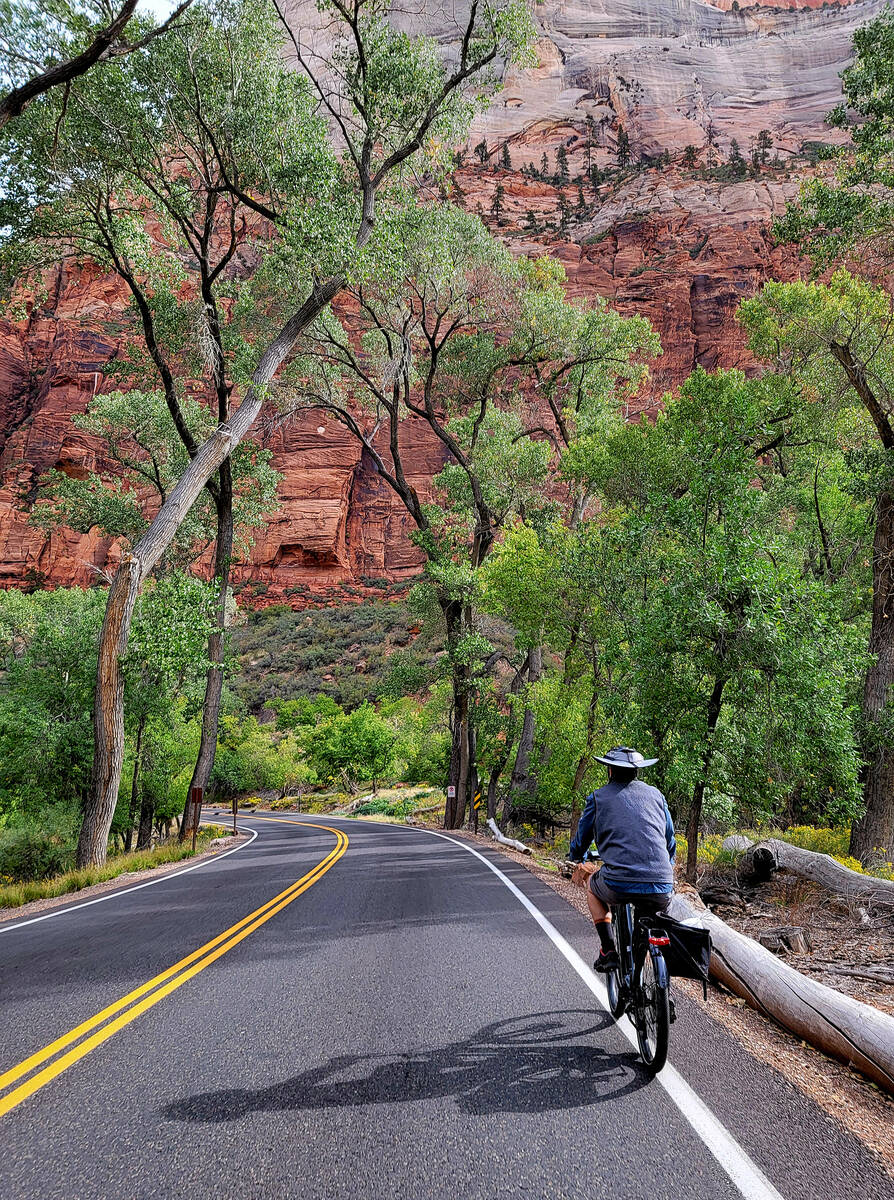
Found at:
<point>715,703</point>
<point>216,644</point>
<point>134,788</point>
<point>108,710</point>
<point>147,820</point>
<point>455,616</point>
<point>523,781</point>
<point>585,758</point>
<point>875,830</point>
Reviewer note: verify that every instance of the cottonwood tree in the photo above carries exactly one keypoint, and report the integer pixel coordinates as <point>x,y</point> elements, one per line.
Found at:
<point>742,661</point>
<point>389,98</point>
<point>451,333</point>
<point>50,44</point>
<point>139,178</point>
<point>833,339</point>
<point>838,338</point>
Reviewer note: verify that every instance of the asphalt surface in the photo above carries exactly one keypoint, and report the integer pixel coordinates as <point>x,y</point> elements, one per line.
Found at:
<point>404,1028</point>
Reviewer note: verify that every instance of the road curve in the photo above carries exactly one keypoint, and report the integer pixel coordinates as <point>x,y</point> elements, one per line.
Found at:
<point>385,1020</point>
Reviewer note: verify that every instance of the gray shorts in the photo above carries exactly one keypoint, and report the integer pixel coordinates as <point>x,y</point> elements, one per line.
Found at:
<point>654,901</point>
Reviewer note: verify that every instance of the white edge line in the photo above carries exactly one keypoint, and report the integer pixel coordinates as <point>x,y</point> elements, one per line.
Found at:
<point>742,1171</point>
<point>9,926</point>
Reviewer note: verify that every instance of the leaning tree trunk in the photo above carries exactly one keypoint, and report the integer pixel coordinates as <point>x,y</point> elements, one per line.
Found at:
<point>715,703</point>
<point>214,681</point>
<point>875,830</point>
<point>108,708</point>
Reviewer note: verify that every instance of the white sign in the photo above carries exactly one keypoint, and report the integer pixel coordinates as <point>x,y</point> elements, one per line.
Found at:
<point>451,792</point>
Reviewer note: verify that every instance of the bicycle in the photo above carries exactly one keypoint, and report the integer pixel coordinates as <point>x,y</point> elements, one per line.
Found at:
<point>641,984</point>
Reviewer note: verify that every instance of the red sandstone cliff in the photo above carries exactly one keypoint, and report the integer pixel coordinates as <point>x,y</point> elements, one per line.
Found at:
<point>677,245</point>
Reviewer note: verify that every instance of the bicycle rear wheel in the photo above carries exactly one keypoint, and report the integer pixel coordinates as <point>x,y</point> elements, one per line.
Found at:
<point>653,1012</point>
<point>617,1003</point>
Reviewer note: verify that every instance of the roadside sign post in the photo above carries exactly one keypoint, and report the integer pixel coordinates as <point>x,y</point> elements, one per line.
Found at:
<point>235,814</point>
<point>451,795</point>
<point>195,804</point>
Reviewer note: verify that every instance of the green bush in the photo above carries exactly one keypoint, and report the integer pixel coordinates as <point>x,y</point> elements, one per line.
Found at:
<point>360,744</point>
<point>28,853</point>
<point>386,808</point>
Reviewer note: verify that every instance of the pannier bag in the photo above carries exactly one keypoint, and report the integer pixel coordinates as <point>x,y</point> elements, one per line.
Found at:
<point>689,953</point>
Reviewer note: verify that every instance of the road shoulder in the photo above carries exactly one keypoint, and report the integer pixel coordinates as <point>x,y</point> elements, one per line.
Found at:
<point>120,883</point>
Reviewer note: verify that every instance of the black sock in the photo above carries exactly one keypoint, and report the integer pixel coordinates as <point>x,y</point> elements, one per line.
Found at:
<point>604,929</point>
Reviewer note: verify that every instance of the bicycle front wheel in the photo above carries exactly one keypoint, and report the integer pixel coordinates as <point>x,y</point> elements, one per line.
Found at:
<point>653,1004</point>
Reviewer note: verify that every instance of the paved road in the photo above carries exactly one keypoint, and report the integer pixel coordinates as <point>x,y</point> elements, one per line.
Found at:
<point>399,1025</point>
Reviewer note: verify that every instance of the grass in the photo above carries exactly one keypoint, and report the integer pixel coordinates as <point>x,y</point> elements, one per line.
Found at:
<point>13,895</point>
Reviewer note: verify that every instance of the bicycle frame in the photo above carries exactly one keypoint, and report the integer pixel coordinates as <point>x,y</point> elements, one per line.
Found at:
<point>642,988</point>
<point>633,941</point>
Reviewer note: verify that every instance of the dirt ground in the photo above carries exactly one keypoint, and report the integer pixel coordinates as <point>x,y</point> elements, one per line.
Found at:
<point>851,946</point>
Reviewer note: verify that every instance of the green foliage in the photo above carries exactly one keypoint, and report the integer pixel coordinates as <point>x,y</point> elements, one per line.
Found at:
<point>139,437</point>
<point>48,643</point>
<point>249,758</point>
<point>29,852</point>
<point>48,646</point>
<point>348,652</point>
<point>422,737</point>
<point>854,207</point>
<point>358,746</point>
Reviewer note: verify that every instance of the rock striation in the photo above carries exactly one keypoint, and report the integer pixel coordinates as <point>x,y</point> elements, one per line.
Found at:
<point>678,237</point>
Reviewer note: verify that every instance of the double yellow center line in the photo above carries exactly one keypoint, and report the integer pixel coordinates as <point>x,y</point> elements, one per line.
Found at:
<point>99,1028</point>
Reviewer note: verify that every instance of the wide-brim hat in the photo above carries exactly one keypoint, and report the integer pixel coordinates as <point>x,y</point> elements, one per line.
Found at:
<point>626,756</point>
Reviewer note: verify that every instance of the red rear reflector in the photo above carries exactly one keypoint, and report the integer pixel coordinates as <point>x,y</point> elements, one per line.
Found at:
<point>659,941</point>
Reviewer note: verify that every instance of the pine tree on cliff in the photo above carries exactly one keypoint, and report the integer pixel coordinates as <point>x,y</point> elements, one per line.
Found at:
<point>482,152</point>
<point>562,177</point>
<point>496,204</point>
<point>623,147</point>
<point>690,157</point>
<point>506,158</point>
<point>544,167</point>
<point>737,163</point>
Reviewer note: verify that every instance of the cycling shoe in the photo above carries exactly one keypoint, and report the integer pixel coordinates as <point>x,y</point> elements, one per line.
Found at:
<point>607,962</point>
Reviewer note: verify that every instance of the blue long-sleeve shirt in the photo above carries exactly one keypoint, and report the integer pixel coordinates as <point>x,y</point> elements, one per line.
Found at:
<point>626,835</point>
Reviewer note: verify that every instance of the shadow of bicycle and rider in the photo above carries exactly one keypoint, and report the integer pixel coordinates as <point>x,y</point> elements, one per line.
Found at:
<point>539,1063</point>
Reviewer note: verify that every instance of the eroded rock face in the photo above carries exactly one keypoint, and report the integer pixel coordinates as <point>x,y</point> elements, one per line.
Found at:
<point>674,243</point>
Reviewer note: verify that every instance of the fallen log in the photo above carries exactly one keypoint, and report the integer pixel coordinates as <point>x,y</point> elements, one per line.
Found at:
<point>856,1034</point>
<point>763,859</point>
<point>505,841</point>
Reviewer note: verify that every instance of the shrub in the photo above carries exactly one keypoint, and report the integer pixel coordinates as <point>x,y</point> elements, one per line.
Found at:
<point>29,853</point>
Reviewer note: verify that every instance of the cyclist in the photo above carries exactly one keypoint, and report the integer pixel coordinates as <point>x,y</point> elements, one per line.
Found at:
<point>635,836</point>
